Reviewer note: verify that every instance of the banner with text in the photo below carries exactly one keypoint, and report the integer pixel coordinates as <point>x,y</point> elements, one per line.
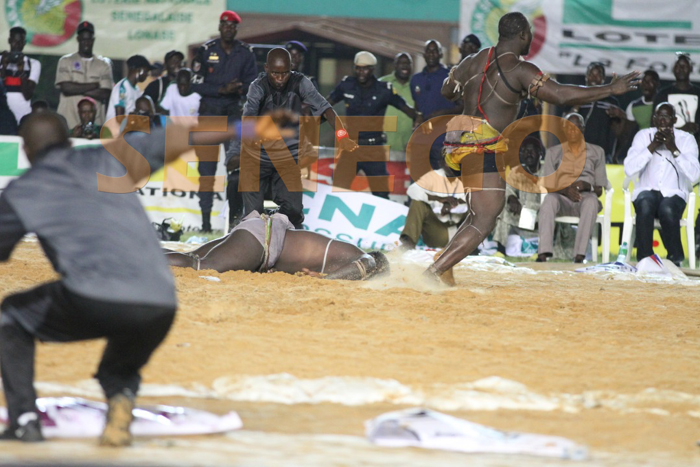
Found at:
<point>159,200</point>
<point>362,219</point>
<point>625,35</point>
<point>122,27</point>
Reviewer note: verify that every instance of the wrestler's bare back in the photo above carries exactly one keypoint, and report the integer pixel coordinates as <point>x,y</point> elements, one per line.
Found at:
<point>501,111</point>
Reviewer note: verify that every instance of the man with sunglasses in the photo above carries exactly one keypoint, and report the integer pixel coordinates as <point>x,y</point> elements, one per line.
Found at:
<point>81,75</point>
<point>223,70</point>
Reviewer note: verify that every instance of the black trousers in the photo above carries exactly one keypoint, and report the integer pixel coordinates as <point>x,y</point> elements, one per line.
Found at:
<point>51,313</point>
<point>226,108</point>
<point>235,199</point>
<point>650,205</point>
<point>288,198</point>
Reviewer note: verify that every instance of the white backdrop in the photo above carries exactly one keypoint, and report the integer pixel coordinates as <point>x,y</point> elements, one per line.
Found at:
<point>625,35</point>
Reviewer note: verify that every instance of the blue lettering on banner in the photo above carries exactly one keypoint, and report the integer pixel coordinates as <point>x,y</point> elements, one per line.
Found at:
<point>341,235</point>
<point>325,232</point>
<point>359,221</point>
<point>393,227</point>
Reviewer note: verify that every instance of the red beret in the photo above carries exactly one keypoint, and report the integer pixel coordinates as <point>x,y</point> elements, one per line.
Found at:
<point>230,16</point>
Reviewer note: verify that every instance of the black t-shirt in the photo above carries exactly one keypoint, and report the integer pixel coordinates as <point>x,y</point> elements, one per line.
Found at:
<point>685,102</point>
<point>156,88</point>
<point>599,129</point>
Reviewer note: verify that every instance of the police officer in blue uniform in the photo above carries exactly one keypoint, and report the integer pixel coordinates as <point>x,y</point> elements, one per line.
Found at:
<point>223,70</point>
<point>364,95</point>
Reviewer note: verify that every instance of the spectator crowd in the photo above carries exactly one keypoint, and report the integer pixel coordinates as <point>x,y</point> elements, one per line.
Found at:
<point>655,136</point>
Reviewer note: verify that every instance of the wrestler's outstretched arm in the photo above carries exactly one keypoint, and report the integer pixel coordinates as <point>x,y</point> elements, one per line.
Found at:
<point>549,90</point>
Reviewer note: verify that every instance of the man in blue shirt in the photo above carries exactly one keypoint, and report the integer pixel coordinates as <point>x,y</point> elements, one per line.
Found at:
<point>425,88</point>
<point>224,69</point>
<point>365,95</point>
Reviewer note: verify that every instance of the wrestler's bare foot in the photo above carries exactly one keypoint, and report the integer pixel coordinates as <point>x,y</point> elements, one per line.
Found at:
<point>446,277</point>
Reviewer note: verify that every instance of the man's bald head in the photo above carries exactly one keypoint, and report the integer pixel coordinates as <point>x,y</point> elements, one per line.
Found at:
<point>41,131</point>
<point>511,25</point>
<point>278,67</point>
<point>279,56</point>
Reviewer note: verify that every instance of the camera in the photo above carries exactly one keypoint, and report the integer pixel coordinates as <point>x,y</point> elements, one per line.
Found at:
<point>88,130</point>
<point>15,57</point>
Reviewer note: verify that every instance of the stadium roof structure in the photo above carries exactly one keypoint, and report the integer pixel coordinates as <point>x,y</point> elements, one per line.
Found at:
<point>385,43</point>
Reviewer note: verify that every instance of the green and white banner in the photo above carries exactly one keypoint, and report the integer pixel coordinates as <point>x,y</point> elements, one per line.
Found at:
<point>625,35</point>
<point>122,27</point>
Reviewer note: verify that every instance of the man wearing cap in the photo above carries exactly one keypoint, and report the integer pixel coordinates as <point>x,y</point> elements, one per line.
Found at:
<point>19,73</point>
<point>399,79</point>
<point>470,45</point>
<point>298,51</point>
<point>365,95</point>
<point>156,88</point>
<point>425,87</point>
<point>83,74</point>
<point>125,92</point>
<point>223,70</point>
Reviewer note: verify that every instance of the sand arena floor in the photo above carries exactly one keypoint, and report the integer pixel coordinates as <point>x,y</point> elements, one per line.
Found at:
<point>607,363</point>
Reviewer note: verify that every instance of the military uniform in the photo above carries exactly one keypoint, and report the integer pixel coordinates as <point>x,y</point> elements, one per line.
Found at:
<point>362,101</point>
<point>214,68</point>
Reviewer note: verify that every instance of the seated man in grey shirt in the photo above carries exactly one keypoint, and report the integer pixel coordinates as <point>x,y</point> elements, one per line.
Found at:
<point>579,198</point>
<point>115,282</point>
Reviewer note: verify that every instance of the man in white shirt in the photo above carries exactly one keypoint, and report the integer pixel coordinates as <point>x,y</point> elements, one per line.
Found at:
<point>438,206</point>
<point>666,160</point>
<point>179,100</point>
<point>19,73</point>
<point>122,101</point>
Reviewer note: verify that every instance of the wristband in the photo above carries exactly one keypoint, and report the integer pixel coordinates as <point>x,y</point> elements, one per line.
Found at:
<point>341,134</point>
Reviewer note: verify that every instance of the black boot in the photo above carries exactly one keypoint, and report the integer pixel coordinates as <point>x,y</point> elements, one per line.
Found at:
<point>206,222</point>
<point>27,429</point>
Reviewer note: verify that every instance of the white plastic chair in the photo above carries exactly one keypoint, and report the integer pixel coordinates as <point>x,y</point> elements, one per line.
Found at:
<point>630,225</point>
<point>603,220</point>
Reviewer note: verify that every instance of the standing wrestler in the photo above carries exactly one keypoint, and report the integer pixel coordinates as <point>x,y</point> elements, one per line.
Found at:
<point>491,84</point>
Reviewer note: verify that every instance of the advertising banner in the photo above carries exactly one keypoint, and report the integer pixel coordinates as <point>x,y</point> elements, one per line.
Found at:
<point>160,199</point>
<point>625,35</point>
<point>362,219</point>
<point>122,27</point>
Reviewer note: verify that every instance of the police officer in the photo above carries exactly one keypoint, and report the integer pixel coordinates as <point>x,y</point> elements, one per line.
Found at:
<point>298,51</point>
<point>223,69</point>
<point>364,95</point>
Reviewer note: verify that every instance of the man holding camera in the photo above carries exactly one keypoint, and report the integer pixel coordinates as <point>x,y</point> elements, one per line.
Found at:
<point>20,74</point>
<point>666,160</point>
<point>87,128</point>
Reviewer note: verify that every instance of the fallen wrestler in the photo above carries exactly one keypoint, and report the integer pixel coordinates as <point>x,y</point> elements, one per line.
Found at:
<point>270,243</point>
